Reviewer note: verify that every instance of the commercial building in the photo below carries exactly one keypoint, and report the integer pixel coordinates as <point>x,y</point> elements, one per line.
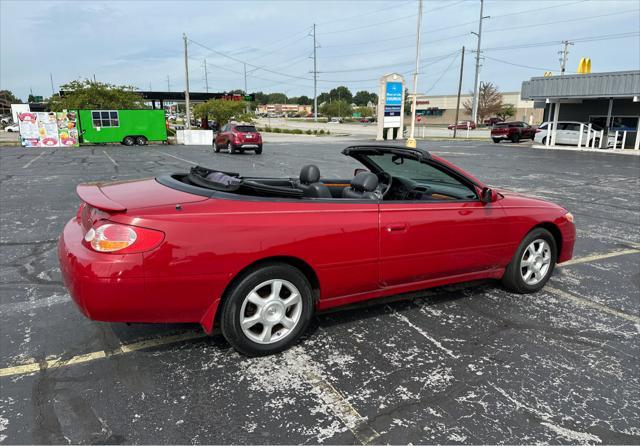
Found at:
<point>607,100</point>
<point>285,109</point>
<point>442,109</point>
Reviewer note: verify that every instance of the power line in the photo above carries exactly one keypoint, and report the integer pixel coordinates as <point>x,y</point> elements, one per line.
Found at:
<point>556,42</point>
<point>522,66</point>
<point>446,70</point>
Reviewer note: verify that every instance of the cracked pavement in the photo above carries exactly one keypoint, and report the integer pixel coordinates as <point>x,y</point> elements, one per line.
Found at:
<point>469,363</point>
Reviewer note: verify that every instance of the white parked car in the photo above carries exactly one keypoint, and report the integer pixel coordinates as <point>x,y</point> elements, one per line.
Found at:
<point>569,133</point>
<point>12,128</point>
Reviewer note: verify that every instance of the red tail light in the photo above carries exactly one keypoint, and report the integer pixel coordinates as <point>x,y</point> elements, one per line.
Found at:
<point>122,239</point>
<point>538,130</point>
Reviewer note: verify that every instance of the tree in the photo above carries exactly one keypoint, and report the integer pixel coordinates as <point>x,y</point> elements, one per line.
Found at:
<point>364,111</point>
<point>489,101</point>
<point>362,98</point>
<point>323,97</point>
<point>222,111</point>
<point>304,100</point>
<point>339,108</point>
<point>8,96</point>
<point>95,95</point>
<point>277,98</point>
<point>507,111</point>
<point>341,93</point>
<point>261,98</point>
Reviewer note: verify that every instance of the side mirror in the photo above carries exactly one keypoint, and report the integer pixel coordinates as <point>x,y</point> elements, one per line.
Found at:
<point>360,170</point>
<point>488,195</point>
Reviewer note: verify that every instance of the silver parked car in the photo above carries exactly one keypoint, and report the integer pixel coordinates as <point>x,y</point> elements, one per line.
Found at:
<point>569,133</point>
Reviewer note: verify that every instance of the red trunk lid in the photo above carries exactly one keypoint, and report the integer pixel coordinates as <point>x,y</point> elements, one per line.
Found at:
<point>122,195</point>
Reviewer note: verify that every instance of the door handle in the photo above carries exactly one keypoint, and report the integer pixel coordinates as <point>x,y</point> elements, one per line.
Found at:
<point>397,227</point>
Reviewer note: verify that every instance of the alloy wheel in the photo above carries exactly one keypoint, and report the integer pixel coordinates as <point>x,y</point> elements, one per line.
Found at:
<point>535,262</point>
<point>271,311</point>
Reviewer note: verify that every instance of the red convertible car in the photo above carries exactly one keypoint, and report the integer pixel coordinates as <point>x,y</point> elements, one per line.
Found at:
<point>258,256</point>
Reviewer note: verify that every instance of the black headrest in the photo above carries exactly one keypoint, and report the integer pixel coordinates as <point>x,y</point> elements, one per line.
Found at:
<point>365,181</point>
<point>309,174</point>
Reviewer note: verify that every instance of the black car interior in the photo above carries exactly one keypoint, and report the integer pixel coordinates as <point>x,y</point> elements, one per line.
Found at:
<point>391,177</point>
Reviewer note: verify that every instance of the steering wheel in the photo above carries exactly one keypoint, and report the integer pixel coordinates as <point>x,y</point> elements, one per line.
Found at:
<point>385,183</point>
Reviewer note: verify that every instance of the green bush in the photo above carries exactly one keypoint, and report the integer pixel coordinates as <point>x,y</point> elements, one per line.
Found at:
<point>321,132</point>
<point>276,130</point>
<point>297,132</point>
<point>308,132</point>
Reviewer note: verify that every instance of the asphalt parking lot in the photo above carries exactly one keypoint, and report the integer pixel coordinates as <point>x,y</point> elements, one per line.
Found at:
<point>463,364</point>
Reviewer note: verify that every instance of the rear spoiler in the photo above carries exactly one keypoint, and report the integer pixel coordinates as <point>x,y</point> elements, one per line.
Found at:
<point>93,196</point>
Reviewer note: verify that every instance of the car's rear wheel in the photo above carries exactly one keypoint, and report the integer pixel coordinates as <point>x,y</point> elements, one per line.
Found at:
<point>532,264</point>
<point>515,138</point>
<point>544,141</point>
<point>267,310</point>
<point>141,141</point>
<point>259,150</point>
<point>496,140</point>
<point>215,147</point>
<point>129,141</point>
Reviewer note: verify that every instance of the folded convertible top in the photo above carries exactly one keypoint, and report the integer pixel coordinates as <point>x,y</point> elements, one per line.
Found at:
<point>233,182</point>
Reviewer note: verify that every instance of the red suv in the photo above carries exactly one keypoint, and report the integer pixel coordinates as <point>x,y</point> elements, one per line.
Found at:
<point>238,138</point>
<point>513,131</point>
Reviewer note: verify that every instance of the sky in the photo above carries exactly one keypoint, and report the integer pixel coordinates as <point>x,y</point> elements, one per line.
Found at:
<point>140,43</point>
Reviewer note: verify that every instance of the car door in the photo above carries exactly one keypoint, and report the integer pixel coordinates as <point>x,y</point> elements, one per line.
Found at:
<point>571,133</point>
<point>220,136</point>
<point>441,236</point>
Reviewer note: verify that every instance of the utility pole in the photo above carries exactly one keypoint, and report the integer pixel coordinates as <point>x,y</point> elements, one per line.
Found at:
<point>245,78</point>
<point>315,76</point>
<point>476,83</point>
<point>206,77</point>
<point>53,91</point>
<point>455,123</point>
<point>564,53</point>
<point>186,77</point>
<point>411,141</point>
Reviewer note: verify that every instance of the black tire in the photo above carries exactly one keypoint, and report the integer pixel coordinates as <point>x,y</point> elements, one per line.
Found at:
<point>234,299</point>
<point>229,148</point>
<point>512,278</point>
<point>597,143</point>
<point>544,141</point>
<point>216,149</point>
<point>496,140</point>
<point>141,141</point>
<point>129,141</point>
<point>515,138</point>
<point>259,150</point>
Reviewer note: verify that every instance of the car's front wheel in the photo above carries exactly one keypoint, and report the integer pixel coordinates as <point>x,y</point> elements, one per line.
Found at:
<point>532,264</point>
<point>496,140</point>
<point>267,310</point>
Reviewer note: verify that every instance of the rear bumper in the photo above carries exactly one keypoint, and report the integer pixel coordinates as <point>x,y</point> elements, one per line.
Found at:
<point>105,287</point>
<point>247,145</point>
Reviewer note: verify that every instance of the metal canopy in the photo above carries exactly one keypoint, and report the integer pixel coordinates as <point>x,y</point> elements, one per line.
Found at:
<point>620,84</point>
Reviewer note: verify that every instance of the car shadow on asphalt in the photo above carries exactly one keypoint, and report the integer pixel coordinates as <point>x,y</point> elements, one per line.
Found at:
<point>136,332</point>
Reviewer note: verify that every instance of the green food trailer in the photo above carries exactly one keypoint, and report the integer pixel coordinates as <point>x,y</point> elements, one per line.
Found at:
<point>129,127</point>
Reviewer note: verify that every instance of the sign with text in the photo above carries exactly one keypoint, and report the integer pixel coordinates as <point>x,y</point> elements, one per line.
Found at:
<point>393,93</point>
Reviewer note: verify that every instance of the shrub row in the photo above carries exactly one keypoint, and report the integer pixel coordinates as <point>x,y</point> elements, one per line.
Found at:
<point>294,131</point>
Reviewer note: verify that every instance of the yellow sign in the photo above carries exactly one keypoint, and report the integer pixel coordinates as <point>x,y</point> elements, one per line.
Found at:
<point>584,67</point>
<point>548,74</point>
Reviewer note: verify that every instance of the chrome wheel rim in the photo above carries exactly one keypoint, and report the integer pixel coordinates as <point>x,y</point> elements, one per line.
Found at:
<point>535,262</point>
<point>271,311</point>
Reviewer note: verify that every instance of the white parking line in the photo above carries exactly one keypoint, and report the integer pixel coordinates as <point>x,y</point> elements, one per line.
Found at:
<point>34,159</point>
<point>583,302</point>
<point>601,256</point>
<point>110,159</point>
<point>178,158</point>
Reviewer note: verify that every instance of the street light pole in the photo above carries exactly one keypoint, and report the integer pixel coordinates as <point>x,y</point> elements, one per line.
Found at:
<point>186,78</point>
<point>411,141</point>
<point>315,76</point>
<point>476,84</point>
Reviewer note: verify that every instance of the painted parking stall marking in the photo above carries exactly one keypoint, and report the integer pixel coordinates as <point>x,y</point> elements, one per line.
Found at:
<point>32,366</point>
